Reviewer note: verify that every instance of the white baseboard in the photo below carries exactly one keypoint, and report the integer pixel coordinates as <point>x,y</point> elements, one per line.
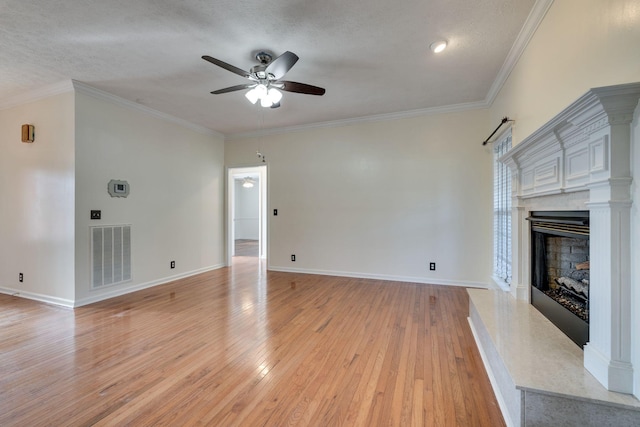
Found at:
<point>48,299</point>
<point>105,294</point>
<point>140,286</point>
<point>409,279</point>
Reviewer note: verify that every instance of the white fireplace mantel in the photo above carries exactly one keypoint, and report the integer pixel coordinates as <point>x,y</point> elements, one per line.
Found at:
<point>581,159</point>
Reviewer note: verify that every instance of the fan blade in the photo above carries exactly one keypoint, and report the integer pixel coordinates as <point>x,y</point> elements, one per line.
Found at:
<point>283,63</point>
<point>226,66</point>
<point>233,88</point>
<point>302,88</point>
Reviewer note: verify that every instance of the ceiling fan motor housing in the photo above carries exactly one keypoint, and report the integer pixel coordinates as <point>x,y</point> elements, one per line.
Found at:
<point>264,57</point>
<point>259,72</point>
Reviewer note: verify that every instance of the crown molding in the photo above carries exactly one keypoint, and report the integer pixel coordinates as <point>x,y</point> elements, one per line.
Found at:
<point>529,28</point>
<point>537,14</point>
<point>100,94</point>
<point>37,94</point>
<point>366,119</point>
<point>534,19</point>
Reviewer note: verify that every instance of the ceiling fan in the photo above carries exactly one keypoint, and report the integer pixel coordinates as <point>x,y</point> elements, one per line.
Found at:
<point>265,84</point>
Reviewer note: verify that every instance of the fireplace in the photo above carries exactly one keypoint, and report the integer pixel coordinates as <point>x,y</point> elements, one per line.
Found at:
<point>560,270</point>
<point>580,160</point>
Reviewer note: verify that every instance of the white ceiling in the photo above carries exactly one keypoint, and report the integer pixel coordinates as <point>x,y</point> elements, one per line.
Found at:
<point>372,56</point>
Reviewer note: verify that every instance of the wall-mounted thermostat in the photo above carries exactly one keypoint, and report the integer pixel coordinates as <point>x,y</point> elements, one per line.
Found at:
<point>118,188</point>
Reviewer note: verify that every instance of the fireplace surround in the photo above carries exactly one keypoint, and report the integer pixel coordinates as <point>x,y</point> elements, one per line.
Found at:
<point>580,160</point>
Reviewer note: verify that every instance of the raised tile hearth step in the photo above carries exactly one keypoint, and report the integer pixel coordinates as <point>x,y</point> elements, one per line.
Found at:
<point>537,372</point>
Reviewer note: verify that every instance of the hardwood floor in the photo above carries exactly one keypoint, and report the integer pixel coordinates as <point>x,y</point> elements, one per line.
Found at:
<point>241,346</point>
<point>247,247</point>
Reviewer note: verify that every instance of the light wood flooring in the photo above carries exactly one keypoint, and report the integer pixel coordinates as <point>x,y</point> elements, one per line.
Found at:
<point>247,247</point>
<point>242,346</point>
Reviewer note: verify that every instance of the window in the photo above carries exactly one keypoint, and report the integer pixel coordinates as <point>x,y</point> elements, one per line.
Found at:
<point>501,213</point>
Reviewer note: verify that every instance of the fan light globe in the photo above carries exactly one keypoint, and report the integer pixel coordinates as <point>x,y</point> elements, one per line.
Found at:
<point>252,96</point>
<point>274,95</point>
<point>261,90</point>
<point>266,102</point>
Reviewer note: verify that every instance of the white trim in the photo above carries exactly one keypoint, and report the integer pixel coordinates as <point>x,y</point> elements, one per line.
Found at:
<point>501,284</point>
<point>105,96</point>
<point>492,379</point>
<point>231,172</point>
<point>366,119</point>
<point>127,290</point>
<point>407,279</point>
<point>532,23</point>
<point>48,299</point>
<point>37,94</point>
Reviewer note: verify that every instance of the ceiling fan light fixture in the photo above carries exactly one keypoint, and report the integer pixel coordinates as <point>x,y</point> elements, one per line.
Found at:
<point>252,95</point>
<point>266,84</point>
<point>247,183</point>
<point>261,90</point>
<point>274,95</point>
<point>265,102</point>
<point>438,46</point>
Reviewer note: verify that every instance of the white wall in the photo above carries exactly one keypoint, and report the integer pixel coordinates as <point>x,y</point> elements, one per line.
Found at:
<point>580,44</point>
<point>176,201</point>
<point>37,200</point>
<point>380,199</point>
<point>247,211</point>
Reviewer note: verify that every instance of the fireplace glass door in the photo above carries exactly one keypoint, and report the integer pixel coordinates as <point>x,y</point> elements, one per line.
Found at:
<point>560,270</point>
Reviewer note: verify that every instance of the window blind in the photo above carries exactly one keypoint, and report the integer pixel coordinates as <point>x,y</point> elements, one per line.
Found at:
<point>502,212</point>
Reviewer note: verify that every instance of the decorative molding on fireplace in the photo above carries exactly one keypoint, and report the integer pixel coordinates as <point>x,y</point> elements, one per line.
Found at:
<point>586,148</point>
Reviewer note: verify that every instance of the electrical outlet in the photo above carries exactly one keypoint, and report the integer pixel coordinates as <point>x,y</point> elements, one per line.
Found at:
<point>96,214</point>
<point>293,257</point>
<point>173,264</point>
<point>432,266</point>
<point>20,277</point>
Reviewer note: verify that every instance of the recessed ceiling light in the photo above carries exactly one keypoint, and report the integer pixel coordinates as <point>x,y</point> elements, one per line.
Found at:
<point>438,46</point>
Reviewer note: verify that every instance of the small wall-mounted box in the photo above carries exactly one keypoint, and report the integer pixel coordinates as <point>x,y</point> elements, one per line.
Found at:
<point>28,133</point>
<point>118,188</point>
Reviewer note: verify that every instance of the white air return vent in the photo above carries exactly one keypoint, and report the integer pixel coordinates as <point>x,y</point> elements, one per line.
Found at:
<point>110,255</point>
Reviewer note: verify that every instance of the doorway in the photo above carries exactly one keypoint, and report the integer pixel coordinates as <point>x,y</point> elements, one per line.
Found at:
<point>247,212</point>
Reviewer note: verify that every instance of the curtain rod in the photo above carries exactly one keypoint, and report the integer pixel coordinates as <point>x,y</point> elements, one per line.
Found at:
<point>503,121</point>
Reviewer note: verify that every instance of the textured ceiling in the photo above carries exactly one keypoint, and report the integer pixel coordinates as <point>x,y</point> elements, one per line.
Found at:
<point>372,56</point>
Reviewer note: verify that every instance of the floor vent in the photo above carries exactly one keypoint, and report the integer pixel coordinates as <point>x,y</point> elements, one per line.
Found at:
<point>110,255</point>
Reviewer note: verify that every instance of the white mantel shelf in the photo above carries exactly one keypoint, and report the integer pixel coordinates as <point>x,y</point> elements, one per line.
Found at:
<point>587,144</point>
<point>581,160</point>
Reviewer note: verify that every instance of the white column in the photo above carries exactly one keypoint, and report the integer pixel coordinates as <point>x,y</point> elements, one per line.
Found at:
<point>520,272</point>
<point>607,355</point>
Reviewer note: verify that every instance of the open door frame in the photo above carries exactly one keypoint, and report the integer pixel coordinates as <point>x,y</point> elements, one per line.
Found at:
<point>232,172</point>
